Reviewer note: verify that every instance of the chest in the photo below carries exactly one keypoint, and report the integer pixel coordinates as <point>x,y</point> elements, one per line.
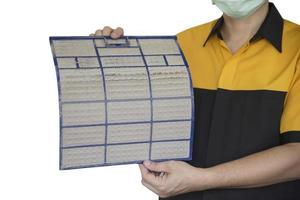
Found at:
<point>255,66</point>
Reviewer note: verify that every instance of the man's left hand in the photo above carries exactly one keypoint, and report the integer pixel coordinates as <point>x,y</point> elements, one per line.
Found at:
<point>173,177</point>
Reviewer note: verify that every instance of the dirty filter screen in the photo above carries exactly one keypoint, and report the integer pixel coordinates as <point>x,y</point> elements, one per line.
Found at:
<point>122,101</point>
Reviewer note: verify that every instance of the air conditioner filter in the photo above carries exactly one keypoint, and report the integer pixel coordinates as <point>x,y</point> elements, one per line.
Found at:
<point>122,101</point>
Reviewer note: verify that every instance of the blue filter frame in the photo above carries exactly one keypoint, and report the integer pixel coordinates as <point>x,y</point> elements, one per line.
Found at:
<point>122,101</point>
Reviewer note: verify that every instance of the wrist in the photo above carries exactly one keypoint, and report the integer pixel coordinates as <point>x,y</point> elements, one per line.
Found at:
<point>204,179</point>
<point>215,178</point>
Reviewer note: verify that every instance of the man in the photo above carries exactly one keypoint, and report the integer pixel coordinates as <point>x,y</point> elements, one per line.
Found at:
<point>245,69</point>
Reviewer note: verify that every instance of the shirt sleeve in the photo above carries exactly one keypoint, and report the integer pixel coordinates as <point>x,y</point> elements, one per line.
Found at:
<point>290,120</point>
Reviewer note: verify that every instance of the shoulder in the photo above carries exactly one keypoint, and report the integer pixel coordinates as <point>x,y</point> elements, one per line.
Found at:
<point>290,26</point>
<point>291,34</point>
<point>197,33</point>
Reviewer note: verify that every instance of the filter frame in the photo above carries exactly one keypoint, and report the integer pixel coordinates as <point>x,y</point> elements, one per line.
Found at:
<point>116,45</point>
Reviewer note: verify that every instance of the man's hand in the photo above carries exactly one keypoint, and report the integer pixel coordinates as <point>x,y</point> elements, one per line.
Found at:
<point>172,177</point>
<point>108,31</point>
<point>271,166</point>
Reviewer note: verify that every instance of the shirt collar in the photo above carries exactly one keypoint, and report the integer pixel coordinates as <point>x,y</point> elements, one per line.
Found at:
<point>271,29</point>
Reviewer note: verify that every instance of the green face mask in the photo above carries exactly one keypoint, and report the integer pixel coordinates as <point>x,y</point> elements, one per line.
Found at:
<point>238,8</point>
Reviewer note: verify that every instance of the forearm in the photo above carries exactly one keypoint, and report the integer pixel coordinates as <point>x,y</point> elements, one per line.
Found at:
<point>279,164</point>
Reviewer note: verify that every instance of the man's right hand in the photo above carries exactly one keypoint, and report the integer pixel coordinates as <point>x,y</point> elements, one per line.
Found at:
<point>108,31</point>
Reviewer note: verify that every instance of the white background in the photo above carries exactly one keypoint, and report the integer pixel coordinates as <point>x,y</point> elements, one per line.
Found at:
<point>29,103</point>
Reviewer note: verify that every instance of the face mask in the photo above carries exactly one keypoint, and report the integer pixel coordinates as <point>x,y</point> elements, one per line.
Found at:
<point>238,8</point>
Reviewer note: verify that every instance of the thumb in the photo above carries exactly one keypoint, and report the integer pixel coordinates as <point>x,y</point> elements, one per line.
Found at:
<point>156,166</point>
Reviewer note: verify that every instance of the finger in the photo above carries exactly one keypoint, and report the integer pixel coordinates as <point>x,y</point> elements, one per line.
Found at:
<point>117,33</point>
<point>98,32</point>
<point>107,31</point>
<point>157,167</point>
<point>147,176</point>
<point>150,187</point>
<point>144,171</point>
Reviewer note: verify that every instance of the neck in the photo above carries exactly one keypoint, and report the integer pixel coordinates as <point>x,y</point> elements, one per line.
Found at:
<point>241,30</point>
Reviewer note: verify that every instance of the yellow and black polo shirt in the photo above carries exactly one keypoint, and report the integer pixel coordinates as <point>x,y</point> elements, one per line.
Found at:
<point>246,102</point>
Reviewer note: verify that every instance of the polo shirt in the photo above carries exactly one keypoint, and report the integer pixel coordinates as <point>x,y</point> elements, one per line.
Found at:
<point>245,102</point>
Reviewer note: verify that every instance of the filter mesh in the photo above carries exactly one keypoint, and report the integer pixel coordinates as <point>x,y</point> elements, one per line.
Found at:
<point>79,136</point>
<point>122,101</point>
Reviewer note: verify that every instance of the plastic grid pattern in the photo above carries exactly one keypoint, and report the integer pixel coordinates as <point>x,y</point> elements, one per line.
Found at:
<point>122,101</point>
